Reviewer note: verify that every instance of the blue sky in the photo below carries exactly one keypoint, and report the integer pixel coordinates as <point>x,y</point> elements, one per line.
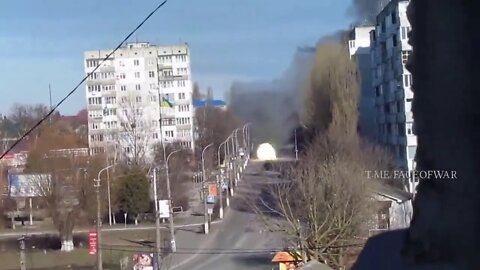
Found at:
<point>42,42</point>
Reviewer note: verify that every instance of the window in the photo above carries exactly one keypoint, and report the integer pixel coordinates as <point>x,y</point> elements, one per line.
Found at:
<point>412,151</point>
<point>151,62</point>
<point>95,101</point>
<point>110,100</point>
<point>153,98</point>
<point>136,62</point>
<point>399,106</point>
<point>108,87</point>
<point>394,17</point>
<point>108,112</point>
<point>122,75</point>
<point>138,87</point>
<point>405,56</point>
<point>407,80</point>
<point>385,108</point>
<point>138,99</point>
<point>121,63</point>
<point>378,90</point>
<point>123,87</point>
<point>401,130</point>
<point>395,40</point>
<point>137,74</point>
<point>153,86</point>
<point>169,133</point>
<point>139,111</point>
<point>155,135</point>
<point>389,128</point>
<point>181,95</point>
<point>181,83</point>
<point>151,74</point>
<point>409,129</point>
<point>124,99</point>
<point>404,32</point>
<point>184,108</point>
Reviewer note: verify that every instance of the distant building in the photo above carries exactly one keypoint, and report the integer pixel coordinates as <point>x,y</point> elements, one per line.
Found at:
<point>129,93</point>
<point>392,83</point>
<point>359,49</point>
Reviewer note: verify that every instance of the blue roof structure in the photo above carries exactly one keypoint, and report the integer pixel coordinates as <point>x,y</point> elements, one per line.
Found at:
<point>214,103</point>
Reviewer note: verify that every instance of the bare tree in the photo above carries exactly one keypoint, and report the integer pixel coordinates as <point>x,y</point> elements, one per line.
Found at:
<point>325,202</point>
<point>138,127</point>
<point>59,179</point>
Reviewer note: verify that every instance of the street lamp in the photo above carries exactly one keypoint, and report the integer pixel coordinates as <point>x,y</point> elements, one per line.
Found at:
<point>172,229</point>
<point>203,189</point>
<point>99,218</point>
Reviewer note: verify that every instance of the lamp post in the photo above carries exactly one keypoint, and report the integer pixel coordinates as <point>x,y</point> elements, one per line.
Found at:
<point>206,226</point>
<point>99,218</point>
<point>169,193</point>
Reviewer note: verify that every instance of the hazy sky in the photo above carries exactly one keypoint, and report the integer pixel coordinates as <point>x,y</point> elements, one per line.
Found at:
<point>42,42</point>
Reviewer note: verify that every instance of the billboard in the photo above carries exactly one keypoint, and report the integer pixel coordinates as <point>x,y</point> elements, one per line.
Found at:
<point>27,185</point>
<point>212,189</point>
<point>164,208</point>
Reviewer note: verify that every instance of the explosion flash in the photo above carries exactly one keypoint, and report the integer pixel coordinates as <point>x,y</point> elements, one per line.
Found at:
<point>266,152</point>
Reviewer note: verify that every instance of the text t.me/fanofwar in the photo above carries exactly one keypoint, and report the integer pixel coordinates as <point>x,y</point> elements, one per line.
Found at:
<point>418,175</point>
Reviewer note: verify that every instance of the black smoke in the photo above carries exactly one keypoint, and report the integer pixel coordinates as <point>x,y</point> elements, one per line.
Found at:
<point>273,106</point>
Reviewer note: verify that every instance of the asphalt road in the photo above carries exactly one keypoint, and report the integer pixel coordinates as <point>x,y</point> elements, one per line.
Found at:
<point>239,242</point>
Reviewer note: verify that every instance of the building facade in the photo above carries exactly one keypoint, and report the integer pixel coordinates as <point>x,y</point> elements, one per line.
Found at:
<point>392,82</point>
<point>139,97</point>
<point>359,49</point>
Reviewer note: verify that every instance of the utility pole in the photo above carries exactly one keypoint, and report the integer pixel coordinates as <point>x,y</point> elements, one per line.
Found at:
<point>219,180</point>
<point>99,218</point>
<point>109,199</point>
<point>169,194</point>
<point>205,208</point>
<point>296,148</point>
<point>23,259</point>
<point>98,226</point>
<point>157,219</point>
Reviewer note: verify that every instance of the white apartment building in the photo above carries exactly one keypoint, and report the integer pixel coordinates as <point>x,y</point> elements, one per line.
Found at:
<point>359,49</point>
<point>392,82</point>
<point>129,93</point>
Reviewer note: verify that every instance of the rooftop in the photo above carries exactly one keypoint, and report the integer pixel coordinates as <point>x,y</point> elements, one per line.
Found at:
<point>202,103</point>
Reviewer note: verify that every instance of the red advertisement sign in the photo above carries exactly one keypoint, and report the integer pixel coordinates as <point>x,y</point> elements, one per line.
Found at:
<point>212,190</point>
<point>92,242</point>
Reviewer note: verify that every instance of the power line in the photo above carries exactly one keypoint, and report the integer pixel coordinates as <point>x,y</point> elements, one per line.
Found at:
<point>52,110</point>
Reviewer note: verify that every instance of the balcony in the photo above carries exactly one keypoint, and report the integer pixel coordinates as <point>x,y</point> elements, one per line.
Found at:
<point>96,119</point>
<point>409,116</point>
<point>106,69</point>
<point>381,119</point>
<point>402,141</point>
<point>391,118</point>
<point>162,66</point>
<point>181,77</point>
<point>166,78</point>
<point>399,94</point>
<point>94,107</point>
<point>393,139</point>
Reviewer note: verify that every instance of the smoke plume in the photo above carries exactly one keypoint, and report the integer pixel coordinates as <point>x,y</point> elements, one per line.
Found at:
<point>365,11</point>
<point>273,107</point>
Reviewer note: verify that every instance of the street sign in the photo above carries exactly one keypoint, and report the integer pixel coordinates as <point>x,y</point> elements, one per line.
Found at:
<point>210,211</point>
<point>92,242</point>
<point>224,185</point>
<point>164,208</point>
<point>210,199</point>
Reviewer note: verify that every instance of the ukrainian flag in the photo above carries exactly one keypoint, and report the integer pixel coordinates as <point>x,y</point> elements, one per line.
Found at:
<point>166,103</point>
